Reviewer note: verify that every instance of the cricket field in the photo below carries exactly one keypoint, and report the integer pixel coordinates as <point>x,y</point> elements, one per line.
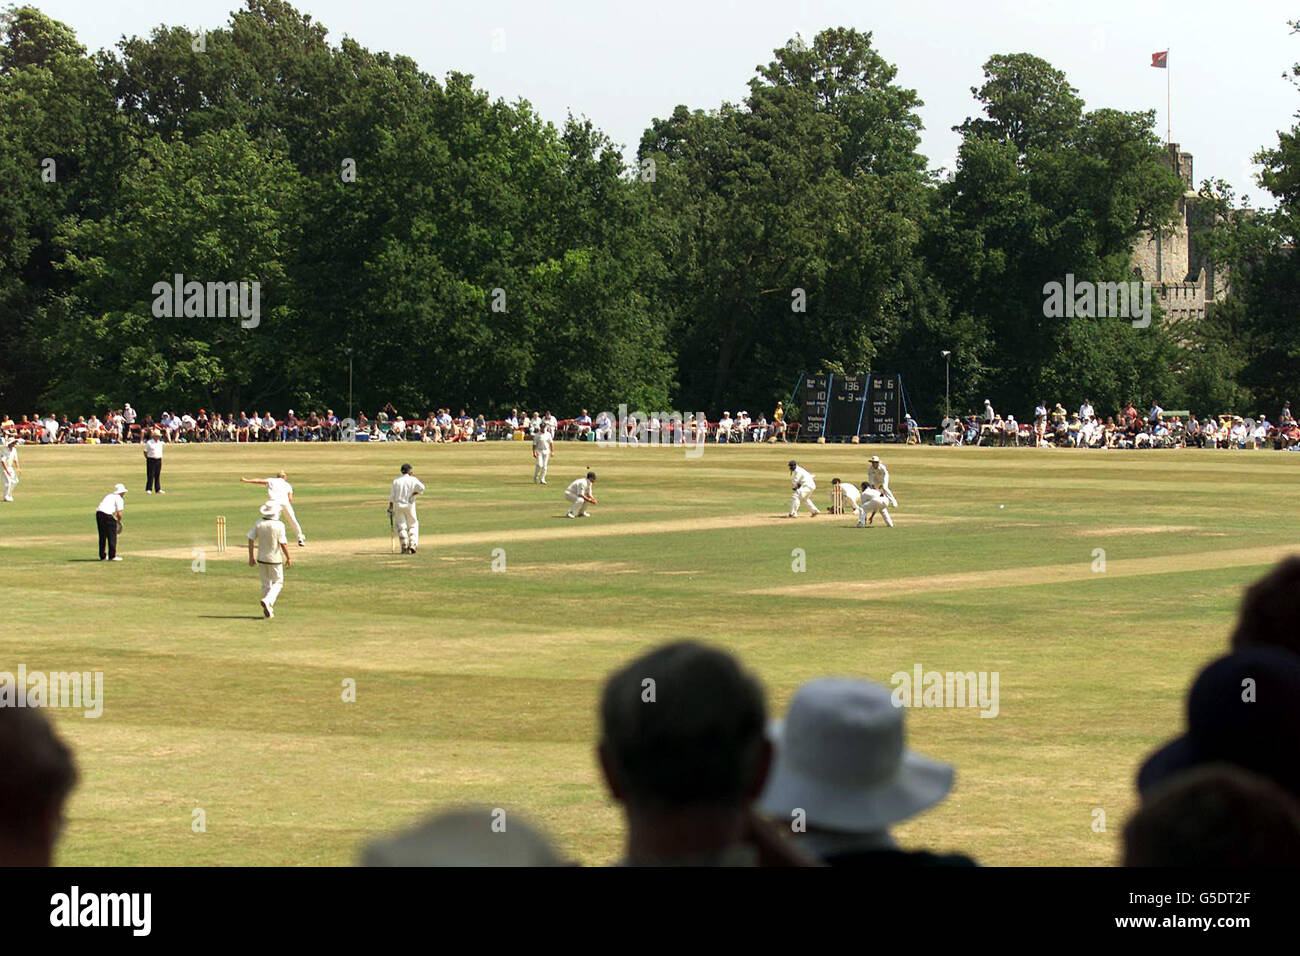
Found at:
<point>1094,584</point>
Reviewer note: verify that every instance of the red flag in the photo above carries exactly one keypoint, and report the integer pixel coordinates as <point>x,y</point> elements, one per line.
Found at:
<point>1160,60</point>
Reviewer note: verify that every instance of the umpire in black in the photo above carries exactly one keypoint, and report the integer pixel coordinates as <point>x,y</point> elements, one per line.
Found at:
<point>108,517</point>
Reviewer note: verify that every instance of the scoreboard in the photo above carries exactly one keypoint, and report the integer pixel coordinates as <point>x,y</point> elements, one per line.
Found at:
<point>886,402</point>
<point>815,390</point>
<point>840,407</point>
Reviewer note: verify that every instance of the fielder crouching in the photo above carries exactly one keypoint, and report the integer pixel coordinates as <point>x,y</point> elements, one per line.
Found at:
<point>580,495</point>
<point>871,503</point>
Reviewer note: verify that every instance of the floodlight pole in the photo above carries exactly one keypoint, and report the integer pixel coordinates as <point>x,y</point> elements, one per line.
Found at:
<point>348,352</point>
<point>947,361</point>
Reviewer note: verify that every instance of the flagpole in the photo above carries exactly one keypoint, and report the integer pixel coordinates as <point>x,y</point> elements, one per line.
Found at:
<point>1169,103</point>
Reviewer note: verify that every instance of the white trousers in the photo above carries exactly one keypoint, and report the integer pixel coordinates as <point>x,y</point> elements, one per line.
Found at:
<point>874,504</point>
<point>540,465</point>
<point>272,582</point>
<point>288,517</point>
<point>9,482</point>
<point>579,504</point>
<point>802,495</point>
<point>408,527</point>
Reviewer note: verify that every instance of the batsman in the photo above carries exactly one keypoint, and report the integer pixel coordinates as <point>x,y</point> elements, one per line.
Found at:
<point>401,508</point>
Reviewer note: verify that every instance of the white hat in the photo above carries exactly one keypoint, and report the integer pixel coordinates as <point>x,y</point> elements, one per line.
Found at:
<point>269,510</point>
<point>119,489</point>
<point>840,757</point>
<point>874,458</point>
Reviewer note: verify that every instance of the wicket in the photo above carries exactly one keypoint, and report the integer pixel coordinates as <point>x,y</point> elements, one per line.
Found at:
<point>837,500</point>
<point>221,532</point>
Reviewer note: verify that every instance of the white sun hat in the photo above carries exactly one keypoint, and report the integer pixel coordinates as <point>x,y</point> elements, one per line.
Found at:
<point>840,757</point>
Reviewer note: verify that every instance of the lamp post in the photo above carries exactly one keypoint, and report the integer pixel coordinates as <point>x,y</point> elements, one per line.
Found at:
<point>947,411</point>
<point>348,353</point>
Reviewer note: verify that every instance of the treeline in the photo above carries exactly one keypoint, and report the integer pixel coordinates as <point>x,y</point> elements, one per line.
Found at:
<point>459,250</point>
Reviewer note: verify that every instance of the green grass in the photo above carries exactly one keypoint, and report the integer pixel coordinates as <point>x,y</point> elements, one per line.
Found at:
<point>478,687</point>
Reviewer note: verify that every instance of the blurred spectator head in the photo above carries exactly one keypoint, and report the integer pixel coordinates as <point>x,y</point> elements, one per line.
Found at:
<point>37,773</point>
<point>1217,815</point>
<point>841,758</point>
<point>1243,709</point>
<point>468,837</point>
<point>1269,611</point>
<point>683,726</point>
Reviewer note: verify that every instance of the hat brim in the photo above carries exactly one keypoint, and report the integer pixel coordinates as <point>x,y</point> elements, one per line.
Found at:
<point>919,784</point>
<point>1173,758</point>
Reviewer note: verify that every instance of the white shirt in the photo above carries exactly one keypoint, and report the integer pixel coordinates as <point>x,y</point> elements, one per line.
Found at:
<point>277,489</point>
<point>801,477</point>
<point>580,488</point>
<point>405,488</point>
<point>542,442</point>
<point>268,535</point>
<point>877,476</point>
<point>851,492</point>
<point>1085,411</point>
<point>128,414</point>
<point>111,504</point>
<point>9,455</point>
<point>153,448</point>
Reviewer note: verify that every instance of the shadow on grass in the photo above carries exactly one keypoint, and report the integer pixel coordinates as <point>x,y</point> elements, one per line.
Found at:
<point>232,617</point>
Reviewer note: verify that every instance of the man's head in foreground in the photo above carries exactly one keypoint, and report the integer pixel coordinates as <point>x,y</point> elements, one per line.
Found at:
<point>36,775</point>
<point>683,748</point>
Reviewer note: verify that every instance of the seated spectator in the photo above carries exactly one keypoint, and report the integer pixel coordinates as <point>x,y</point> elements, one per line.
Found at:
<point>1215,816</point>
<point>1243,709</point>
<point>290,430</point>
<point>842,768</point>
<point>37,773</point>
<point>1259,434</point>
<point>480,429</point>
<point>687,767</point>
<point>723,433</point>
<point>465,838</point>
<point>741,428</point>
<point>604,427</point>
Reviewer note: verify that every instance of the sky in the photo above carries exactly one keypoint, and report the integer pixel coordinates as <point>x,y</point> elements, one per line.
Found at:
<point>623,64</point>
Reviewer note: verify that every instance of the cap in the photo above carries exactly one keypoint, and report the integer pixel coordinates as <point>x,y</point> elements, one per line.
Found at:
<point>591,476</point>
<point>791,463</point>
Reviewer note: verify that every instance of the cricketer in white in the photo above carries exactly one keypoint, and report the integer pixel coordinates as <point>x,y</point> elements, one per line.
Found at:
<point>401,505</point>
<point>272,554</point>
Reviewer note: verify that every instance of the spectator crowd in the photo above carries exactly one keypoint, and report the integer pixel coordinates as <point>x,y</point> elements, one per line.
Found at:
<point>1128,428</point>
<point>125,425</point>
